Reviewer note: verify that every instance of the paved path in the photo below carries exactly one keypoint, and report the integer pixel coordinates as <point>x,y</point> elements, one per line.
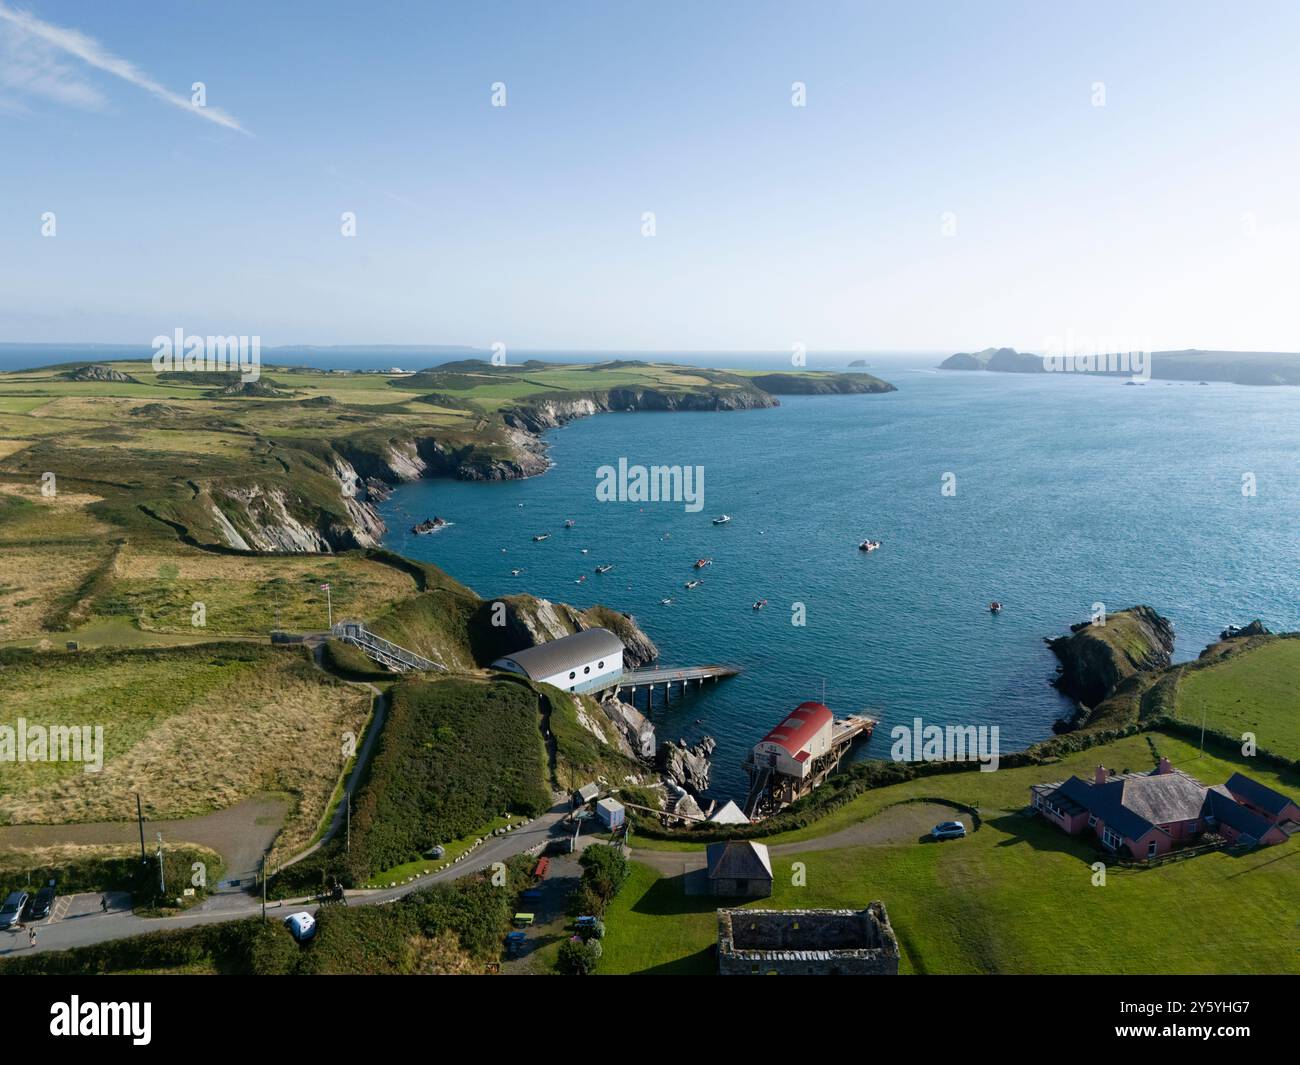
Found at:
<point>240,833</point>
<point>82,923</point>
<point>903,823</point>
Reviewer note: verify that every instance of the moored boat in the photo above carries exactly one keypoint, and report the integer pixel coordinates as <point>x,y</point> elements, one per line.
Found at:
<point>722,519</point>
<point>869,545</point>
<point>540,537</point>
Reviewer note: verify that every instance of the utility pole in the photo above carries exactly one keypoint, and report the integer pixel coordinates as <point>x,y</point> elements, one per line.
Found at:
<point>348,833</point>
<point>139,816</point>
<point>263,887</point>
<point>162,883</point>
<point>329,603</point>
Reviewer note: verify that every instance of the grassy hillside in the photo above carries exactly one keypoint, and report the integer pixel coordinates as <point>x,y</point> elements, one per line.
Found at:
<point>1252,688</point>
<point>454,754</point>
<point>191,729</point>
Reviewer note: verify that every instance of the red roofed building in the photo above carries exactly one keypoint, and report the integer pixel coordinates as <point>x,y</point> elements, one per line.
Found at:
<point>797,742</point>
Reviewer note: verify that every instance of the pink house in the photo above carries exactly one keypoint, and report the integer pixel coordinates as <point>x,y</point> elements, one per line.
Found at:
<point>1146,815</point>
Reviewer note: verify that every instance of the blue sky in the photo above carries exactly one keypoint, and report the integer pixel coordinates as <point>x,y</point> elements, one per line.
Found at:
<point>1168,215</point>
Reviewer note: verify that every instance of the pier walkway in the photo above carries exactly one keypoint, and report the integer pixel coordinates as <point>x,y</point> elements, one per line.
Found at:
<point>651,677</point>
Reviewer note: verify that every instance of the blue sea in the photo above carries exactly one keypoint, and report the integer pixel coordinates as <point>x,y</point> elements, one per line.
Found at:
<point>1070,491</point>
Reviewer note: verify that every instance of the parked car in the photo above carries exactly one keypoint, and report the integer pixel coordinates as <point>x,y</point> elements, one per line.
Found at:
<point>302,926</point>
<point>12,910</point>
<point>42,903</point>
<point>948,830</point>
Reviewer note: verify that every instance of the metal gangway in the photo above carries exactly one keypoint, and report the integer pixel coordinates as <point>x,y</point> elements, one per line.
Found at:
<point>385,652</point>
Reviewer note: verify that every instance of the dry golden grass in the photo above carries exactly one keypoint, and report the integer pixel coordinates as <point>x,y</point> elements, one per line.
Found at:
<point>15,861</point>
<point>277,727</point>
<point>32,578</point>
<point>10,447</point>
<point>250,594</point>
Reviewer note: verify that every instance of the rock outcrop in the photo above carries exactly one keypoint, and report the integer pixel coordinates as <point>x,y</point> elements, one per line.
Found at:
<point>687,766</point>
<point>632,726</point>
<point>1096,658</point>
<point>97,372</point>
<point>1254,628</point>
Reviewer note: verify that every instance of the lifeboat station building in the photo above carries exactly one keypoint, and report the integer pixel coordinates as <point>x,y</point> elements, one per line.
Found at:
<point>587,661</point>
<point>796,743</point>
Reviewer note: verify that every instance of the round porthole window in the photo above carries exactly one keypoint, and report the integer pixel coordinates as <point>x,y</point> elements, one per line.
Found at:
<point>586,669</point>
<point>572,675</point>
<point>600,665</point>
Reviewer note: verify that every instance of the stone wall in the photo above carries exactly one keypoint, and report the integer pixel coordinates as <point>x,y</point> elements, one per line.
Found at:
<point>807,942</point>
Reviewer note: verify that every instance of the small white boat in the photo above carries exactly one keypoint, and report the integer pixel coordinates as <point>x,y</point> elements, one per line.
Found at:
<point>540,537</point>
<point>869,545</point>
<point>569,523</point>
<point>995,607</point>
<point>584,550</point>
<point>700,563</point>
<point>666,602</point>
<point>581,580</point>
<point>604,567</point>
<point>694,584</point>
<point>722,519</point>
<point>515,572</point>
<point>759,604</point>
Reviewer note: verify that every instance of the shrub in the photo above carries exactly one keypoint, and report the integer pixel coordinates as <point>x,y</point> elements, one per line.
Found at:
<point>577,958</point>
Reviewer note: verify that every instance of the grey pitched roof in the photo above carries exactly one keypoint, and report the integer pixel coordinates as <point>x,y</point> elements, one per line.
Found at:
<point>1257,794</point>
<point>738,860</point>
<point>566,653</point>
<point>1162,798</point>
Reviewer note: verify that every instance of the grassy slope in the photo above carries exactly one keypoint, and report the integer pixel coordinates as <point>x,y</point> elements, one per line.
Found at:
<point>454,754</point>
<point>1017,895</point>
<point>193,729</point>
<point>1255,689</point>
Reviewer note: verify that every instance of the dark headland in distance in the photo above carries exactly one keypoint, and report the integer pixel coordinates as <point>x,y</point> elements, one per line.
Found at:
<point>1236,367</point>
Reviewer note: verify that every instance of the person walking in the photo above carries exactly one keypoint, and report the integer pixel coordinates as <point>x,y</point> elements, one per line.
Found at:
<point>103,903</point>
<point>31,937</point>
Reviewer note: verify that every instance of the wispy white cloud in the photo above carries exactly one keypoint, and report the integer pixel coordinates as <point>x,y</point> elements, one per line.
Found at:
<point>34,63</point>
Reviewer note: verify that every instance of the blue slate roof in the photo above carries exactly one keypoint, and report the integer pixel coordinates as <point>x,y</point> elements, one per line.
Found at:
<point>1257,794</point>
<point>1107,802</point>
<point>1231,813</point>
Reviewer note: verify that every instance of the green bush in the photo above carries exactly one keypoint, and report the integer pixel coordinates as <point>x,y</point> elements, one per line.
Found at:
<point>577,958</point>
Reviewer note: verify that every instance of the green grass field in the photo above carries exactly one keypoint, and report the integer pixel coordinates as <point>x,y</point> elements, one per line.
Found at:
<point>1256,690</point>
<point>1017,896</point>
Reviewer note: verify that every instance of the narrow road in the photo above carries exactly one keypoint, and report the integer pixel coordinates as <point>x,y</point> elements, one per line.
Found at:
<point>81,922</point>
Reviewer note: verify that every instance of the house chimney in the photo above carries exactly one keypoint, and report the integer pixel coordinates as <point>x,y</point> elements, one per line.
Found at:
<point>1100,776</point>
<point>1165,767</point>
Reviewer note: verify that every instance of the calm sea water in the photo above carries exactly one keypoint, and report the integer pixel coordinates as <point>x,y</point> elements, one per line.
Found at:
<point>1069,492</point>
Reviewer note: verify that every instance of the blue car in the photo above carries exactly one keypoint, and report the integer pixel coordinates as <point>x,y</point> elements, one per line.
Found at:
<point>948,830</point>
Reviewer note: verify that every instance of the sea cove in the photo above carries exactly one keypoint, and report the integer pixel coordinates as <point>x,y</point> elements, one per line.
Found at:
<point>1068,491</point>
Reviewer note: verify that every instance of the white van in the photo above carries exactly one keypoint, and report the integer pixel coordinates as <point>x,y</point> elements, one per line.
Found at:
<point>302,926</point>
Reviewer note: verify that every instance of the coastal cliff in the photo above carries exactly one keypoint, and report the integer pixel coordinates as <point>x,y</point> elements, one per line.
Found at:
<point>796,384</point>
<point>541,413</point>
<point>1096,659</point>
<point>319,495</point>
